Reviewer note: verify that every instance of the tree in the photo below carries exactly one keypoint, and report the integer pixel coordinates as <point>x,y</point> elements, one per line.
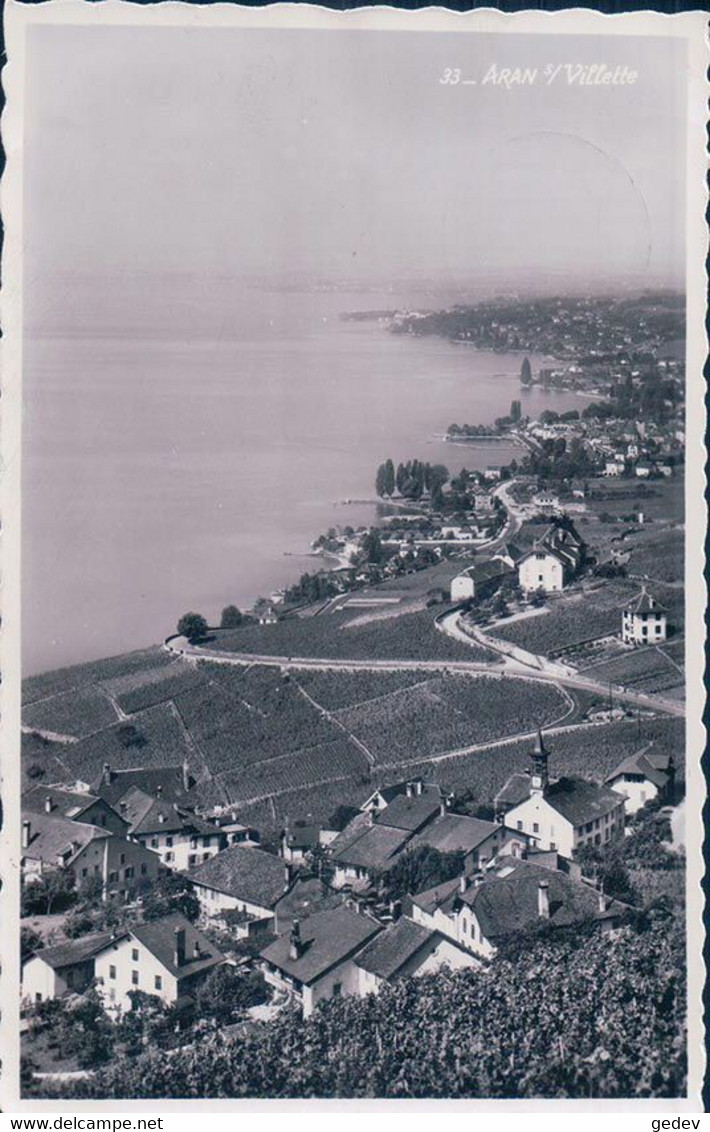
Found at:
<point>225,995</point>
<point>193,626</point>
<point>389,478</point>
<point>169,892</point>
<point>515,411</point>
<point>232,618</point>
<point>525,372</point>
<point>381,481</point>
<point>53,892</point>
<point>30,941</point>
<point>418,869</point>
<point>372,546</point>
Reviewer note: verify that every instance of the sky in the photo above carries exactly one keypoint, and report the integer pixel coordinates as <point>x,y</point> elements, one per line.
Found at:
<point>342,155</point>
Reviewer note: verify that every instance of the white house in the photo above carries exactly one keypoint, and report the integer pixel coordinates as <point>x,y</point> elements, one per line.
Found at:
<point>643,621</point>
<point>552,561</point>
<point>513,897</point>
<point>65,969</point>
<point>614,467</point>
<point>561,815</point>
<point>167,958</point>
<point>241,879</point>
<point>317,960</point>
<point>479,580</point>
<point>407,949</point>
<point>642,777</point>
<point>179,838</point>
<point>88,852</point>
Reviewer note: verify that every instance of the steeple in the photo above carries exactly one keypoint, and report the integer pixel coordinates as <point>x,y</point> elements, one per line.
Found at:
<point>539,776</point>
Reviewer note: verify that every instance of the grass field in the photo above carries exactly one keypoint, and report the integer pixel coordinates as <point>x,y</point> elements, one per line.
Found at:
<point>409,636</point>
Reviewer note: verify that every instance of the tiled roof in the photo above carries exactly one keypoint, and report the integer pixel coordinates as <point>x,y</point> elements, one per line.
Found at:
<point>644,603</point>
<point>50,836</point>
<point>158,937</point>
<point>305,897</point>
<point>410,813</point>
<point>640,763</point>
<point>432,898</point>
<point>340,818</point>
<point>450,833</point>
<point>73,951</point>
<point>147,814</point>
<point>243,872</point>
<point>515,791</point>
<point>580,801</point>
<point>169,778</point>
<point>376,848</point>
<point>65,803</point>
<point>302,836</point>
<point>327,939</point>
<point>504,904</point>
<point>353,830</point>
<point>393,948</point>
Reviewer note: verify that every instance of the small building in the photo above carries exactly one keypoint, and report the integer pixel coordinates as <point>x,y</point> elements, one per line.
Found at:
<point>643,469</point>
<point>241,879</point>
<point>75,806</point>
<point>306,895</point>
<point>168,958</point>
<point>234,831</point>
<point>562,815</point>
<point>68,968</point>
<point>553,560</point>
<point>479,581</point>
<point>643,621</point>
<point>492,472</point>
<point>171,783</point>
<point>381,798</point>
<point>547,502</point>
<point>643,776</point>
<point>298,840</point>
<point>405,950</point>
<point>479,841</point>
<point>87,852</point>
<point>614,467</point>
<point>178,837</point>
<point>513,898</point>
<point>316,961</point>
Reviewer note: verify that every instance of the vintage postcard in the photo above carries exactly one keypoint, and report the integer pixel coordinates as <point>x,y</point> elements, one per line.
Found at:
<point>352,557</point>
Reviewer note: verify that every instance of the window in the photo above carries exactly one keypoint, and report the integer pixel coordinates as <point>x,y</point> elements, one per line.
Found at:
<point>206,856</point>
<point>206,841</point>
<point>192,860</point>
<point>193,842</point>
<point>113,877</point>
<point>154,842</point>
<point>112,972</point>
<point>337,990</point>
<point>144,870</point>
<point>123,858</point>
<point>519,824</point>
<point>169,842</point>
<point>553,845</point>
<point>129,873</point>
<point>84,872</point>
<point>158,982</point>
<point>134,954</point>
<point>169,857</point>
<point>38,996</point>
<point>536,827</point>
<point>134,978</point>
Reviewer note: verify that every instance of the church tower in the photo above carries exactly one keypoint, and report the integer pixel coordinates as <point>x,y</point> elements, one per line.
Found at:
<point>539,776</point>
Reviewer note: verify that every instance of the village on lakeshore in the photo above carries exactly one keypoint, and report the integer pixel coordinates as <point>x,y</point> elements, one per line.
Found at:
<point>457,742</point>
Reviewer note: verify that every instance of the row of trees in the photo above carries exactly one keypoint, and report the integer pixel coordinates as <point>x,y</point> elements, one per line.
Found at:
<point>411,479</point>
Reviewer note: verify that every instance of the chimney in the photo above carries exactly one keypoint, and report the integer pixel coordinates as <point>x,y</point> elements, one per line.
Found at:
<point>419,787</point>
<point>543,900</point>
<point>197,951</point>
<point>122,806</point>
<point>48,805</point>
<point>179,949</point>
<point>26,834</point>
<point>395,910</point>
<point>185,776</point>
<point>158,791</point>
<point>410,789</point>
<point>107,775</point>
<point>463,880</point>
<point>442,807</point>
<point>295,950</point>
<point>603,901</point>
<point>161,817</point>
<point>287,874</point>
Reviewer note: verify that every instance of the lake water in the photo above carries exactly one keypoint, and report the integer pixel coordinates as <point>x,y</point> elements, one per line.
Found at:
<point>166,470</point>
